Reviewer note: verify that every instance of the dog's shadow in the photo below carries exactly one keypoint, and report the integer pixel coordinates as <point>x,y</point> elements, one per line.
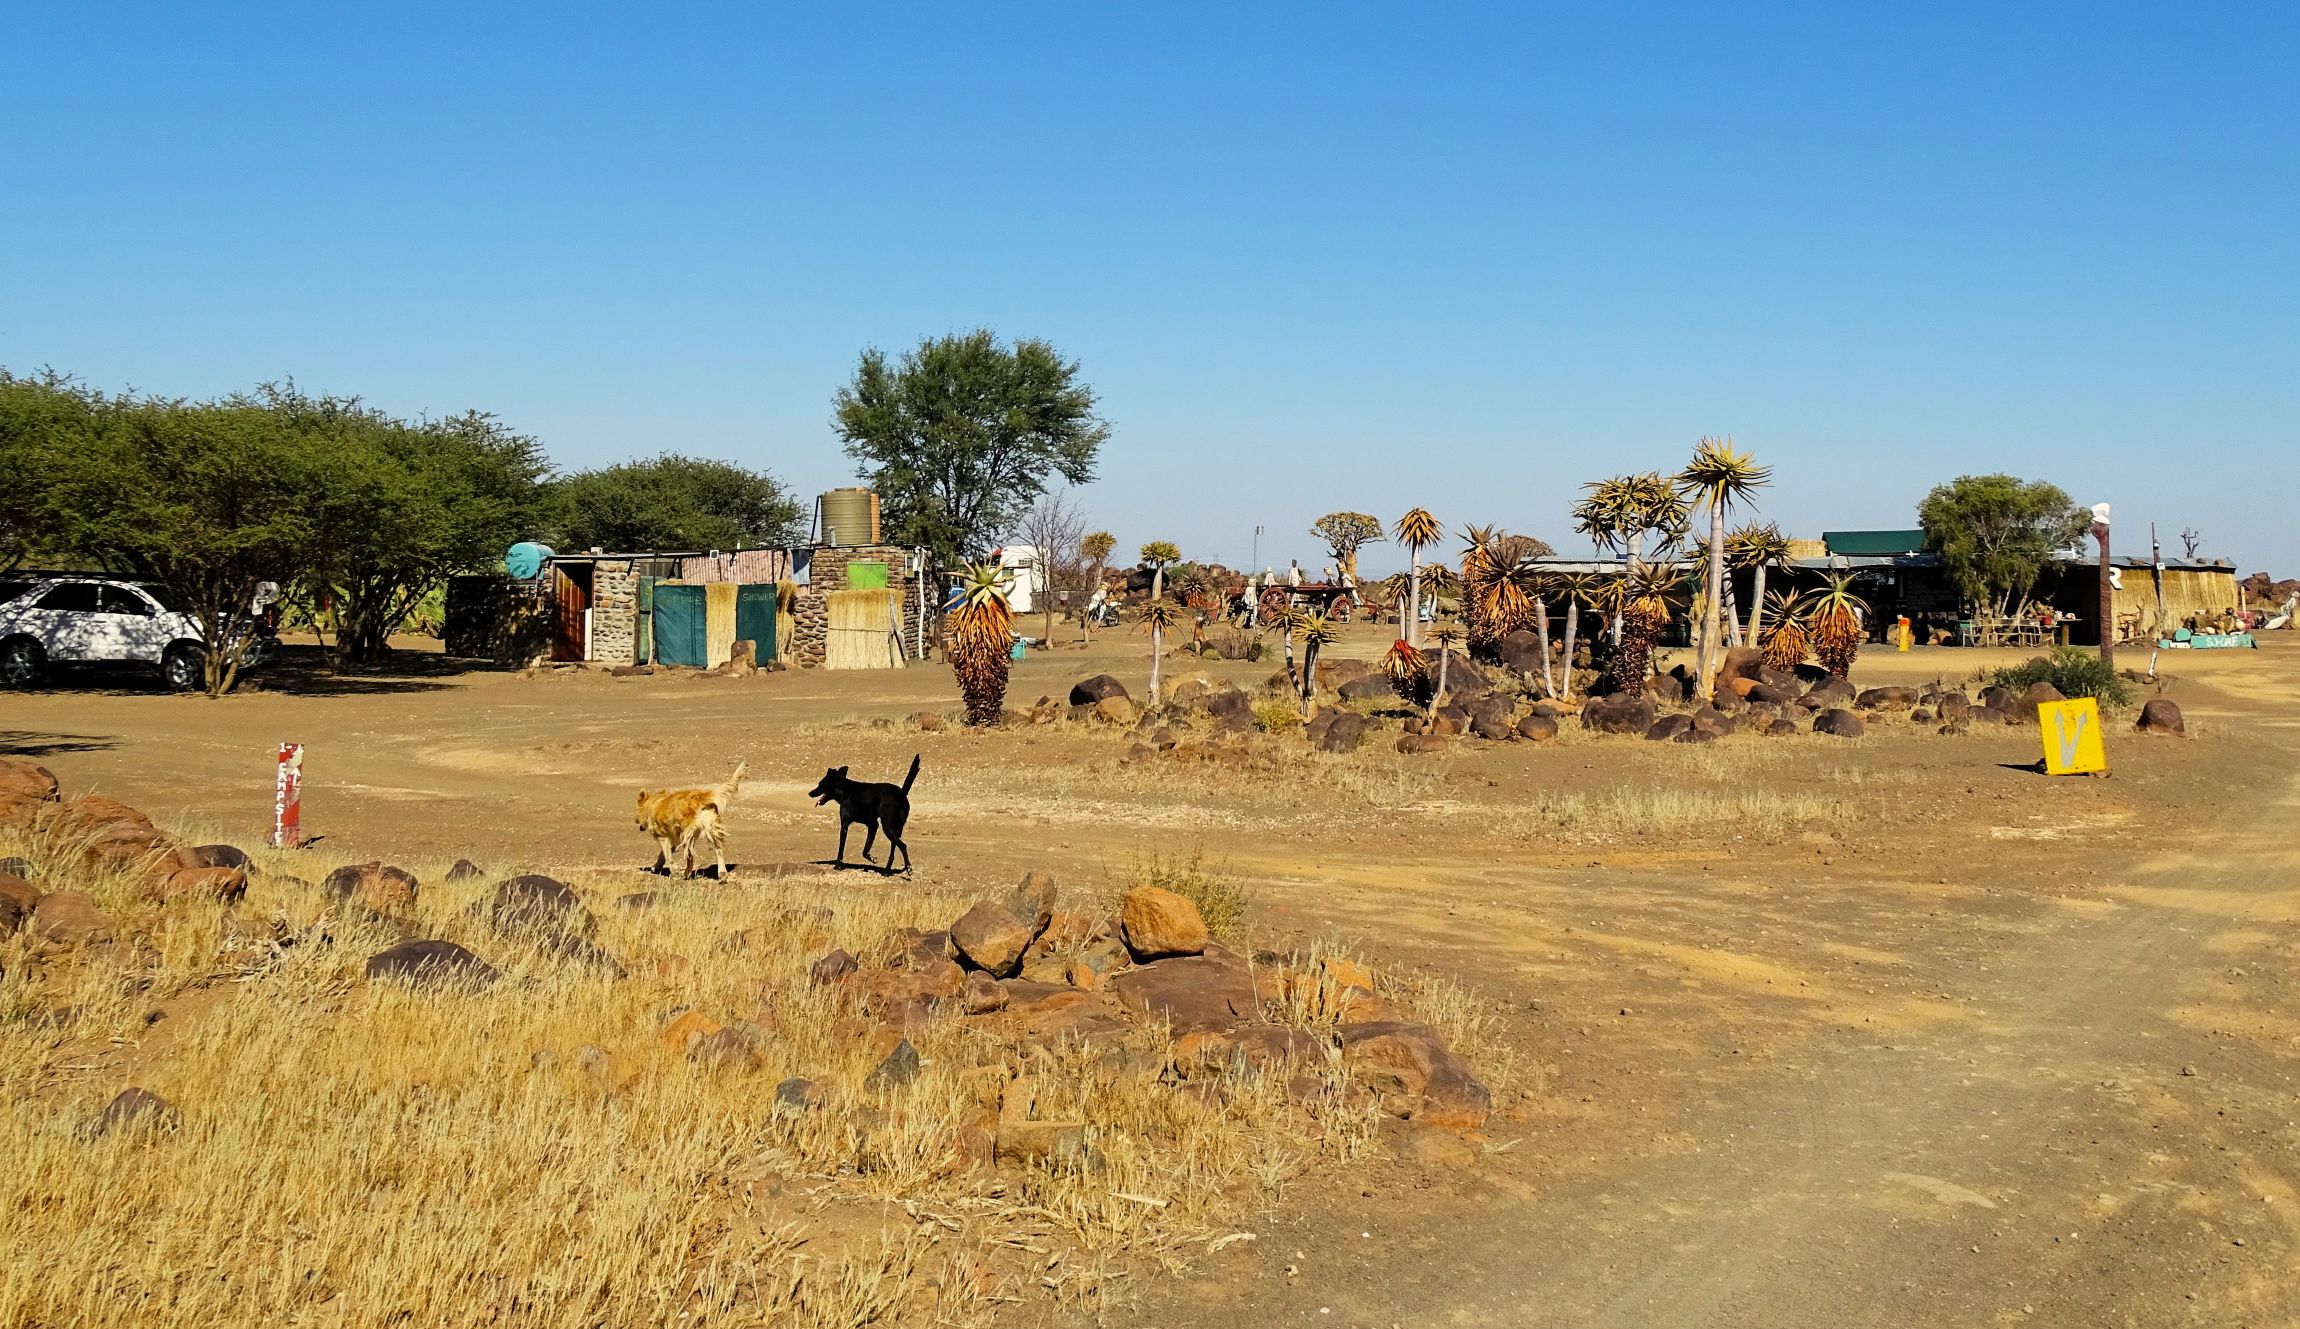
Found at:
<point>837,866</point>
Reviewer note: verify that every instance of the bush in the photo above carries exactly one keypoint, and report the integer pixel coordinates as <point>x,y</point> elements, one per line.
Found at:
<point>1278,715</point>
<point>2075,671</point>
<point>1221,902</point>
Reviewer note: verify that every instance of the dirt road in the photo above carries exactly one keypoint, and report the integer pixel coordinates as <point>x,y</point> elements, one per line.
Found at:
<point>1887,1033</point>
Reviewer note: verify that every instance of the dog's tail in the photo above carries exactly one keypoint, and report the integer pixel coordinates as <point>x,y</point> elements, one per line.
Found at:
<point>734,782</point>
<point>906,780</point>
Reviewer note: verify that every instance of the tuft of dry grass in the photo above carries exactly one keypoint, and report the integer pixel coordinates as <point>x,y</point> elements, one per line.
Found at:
<point>1221,900</point>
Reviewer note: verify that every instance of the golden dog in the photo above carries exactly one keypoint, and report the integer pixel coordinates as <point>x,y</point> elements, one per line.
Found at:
<point>679,819</point>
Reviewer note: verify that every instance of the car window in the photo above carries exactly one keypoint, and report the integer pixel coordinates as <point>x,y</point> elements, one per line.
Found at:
<point>72,597</point>
<point>9,590</point>
<point>121,600</point>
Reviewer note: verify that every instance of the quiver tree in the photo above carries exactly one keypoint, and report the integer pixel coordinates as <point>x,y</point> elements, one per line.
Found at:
<point>1834,624</point>
<point>981,632</point>
<point>1345,533</point>
<point>1417,530</point>
<point>1785,641</point>
<point>1317,631</point>
<point>1158,553</point>
<point>1757,548</point>
<point>1718,477</point>
<point>1408,670</point>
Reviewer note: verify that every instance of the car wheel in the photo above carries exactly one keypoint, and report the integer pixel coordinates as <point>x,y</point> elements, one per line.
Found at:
<point>22,662</point>
<point>183,668</point>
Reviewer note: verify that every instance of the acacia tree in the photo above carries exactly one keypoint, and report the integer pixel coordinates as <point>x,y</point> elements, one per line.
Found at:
<point>1996,534</point>
<point>963,434</point>
<point>213,500</point>
<point>1345,533</point>
<point>675,502</point>
<point>408,505</point>
<point>51,429</point>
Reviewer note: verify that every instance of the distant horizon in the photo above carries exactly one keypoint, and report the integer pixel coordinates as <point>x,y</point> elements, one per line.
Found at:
<point>1311,259</point>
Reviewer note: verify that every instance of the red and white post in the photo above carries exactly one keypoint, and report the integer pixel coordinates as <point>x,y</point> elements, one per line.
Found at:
<point>287,799</point>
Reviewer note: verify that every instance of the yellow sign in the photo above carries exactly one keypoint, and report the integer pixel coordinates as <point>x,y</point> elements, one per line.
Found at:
<point>2072,743</point>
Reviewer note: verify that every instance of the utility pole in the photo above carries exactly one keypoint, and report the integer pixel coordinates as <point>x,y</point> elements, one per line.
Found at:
<point>1254,564</point>
<point>2107,587</point>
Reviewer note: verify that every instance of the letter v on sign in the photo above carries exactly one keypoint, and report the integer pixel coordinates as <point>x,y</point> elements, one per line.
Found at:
<point>2071,733</point>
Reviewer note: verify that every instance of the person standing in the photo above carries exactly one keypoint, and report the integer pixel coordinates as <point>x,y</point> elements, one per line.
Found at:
<point>1293,572</point>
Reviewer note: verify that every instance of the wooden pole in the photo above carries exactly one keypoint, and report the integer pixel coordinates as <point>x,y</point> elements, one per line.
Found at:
<point>2107,591</point>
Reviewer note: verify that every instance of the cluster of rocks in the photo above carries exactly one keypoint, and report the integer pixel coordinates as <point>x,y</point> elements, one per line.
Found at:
<point>107,837</point>
<point>531,910</point>
<point>1027,973</point>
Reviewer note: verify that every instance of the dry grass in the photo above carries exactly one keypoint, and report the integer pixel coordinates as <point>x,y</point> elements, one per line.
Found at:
<point>355,1153</point>
<point>1221,901</point>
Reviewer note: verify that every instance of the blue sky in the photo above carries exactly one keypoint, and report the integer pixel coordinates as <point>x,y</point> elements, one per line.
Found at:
<point>1312,258</point>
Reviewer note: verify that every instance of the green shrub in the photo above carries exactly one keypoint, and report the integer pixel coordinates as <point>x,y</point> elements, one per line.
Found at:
<point>1278,715</point>
<point>1221,902</point>
<point>2077,672</point>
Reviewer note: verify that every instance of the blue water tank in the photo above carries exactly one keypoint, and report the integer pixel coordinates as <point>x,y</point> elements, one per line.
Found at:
<point>524,561</point>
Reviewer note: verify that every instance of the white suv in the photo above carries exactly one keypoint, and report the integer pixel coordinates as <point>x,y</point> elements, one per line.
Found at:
<point>49,618</point>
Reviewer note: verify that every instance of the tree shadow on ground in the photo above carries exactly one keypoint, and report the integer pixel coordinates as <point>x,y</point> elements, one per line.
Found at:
<point>28,743</point>
<point>305,671</point>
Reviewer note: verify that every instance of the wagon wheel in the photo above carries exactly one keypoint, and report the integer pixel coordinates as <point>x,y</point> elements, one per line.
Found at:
<point>1274,601</point>
<point>1340,608</point>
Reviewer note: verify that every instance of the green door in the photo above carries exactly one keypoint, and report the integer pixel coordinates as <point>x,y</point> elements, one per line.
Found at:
<point>680,626</point>
<point>755,619</point>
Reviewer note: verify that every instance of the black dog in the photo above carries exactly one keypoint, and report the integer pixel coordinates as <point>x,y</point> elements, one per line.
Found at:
<point>876,806</point>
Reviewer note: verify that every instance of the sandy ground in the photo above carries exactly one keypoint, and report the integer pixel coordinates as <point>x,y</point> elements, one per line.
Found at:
<point>1889,1032</point>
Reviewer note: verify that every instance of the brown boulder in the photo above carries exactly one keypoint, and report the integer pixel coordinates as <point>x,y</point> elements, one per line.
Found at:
<point>1831,691</point>
<point>1420,744</point>
<point>213,856</point>
<point>1710,720</point>
<point>1156,922</point>
<point>1841,722</point>
<point>374,886</point>
<point>536,903</point>
<point>1621,713</point>
<point>136,1109</point>
<point>1770,694</point>
<point>1669,727</point>
<point>1417,1075</point>
<point>1343,732</point>
<point>17,898</point>
<point>2162,716</point>
<point>1886,699</point>
<point>1098,688</point>
<point>70,918</point>
<point>1263,1046</point>
<point>832,968</point>
<point>1033,901</point>
<point>981,994</point>
<point>989,937</point>
<point>1117,711</point>
<point>20,778</point>
<point>222,884</point>
<point>2037,695</point>
<point>430,964</point>
<point>1192,994</point>
<point>1026,996</point>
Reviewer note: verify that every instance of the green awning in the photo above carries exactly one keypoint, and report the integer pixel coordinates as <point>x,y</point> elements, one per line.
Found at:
<point>1874,544</point>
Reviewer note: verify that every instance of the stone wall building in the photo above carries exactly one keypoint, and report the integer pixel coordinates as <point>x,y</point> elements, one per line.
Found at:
<point>827,571</point>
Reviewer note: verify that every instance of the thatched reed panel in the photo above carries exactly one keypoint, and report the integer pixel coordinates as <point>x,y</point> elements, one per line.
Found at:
<point>719,621</point>
<point>863,630</point>
<point>2209,593</point>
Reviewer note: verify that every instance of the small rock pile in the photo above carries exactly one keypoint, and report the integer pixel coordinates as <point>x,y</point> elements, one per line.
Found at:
<point>1027,972</point>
